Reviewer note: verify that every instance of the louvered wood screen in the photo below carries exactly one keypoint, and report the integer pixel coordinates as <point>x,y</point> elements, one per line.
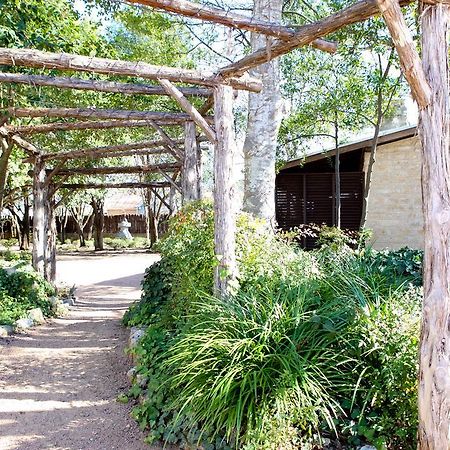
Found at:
<point>309,198</point>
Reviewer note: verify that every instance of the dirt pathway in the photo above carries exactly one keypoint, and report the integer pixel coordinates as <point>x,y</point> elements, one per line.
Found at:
<point>59,383</point>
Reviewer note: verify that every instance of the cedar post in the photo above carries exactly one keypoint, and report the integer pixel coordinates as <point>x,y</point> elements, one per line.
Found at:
<point>191,178</point>
<point>434,375</point>
<point>51,232</point>
<point>224,179</point>
<point>39,219</point>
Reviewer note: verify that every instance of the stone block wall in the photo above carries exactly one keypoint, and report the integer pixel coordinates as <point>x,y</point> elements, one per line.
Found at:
<point>395,203</point>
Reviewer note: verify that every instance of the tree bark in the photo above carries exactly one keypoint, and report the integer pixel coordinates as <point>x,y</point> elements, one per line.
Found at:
<point>188,108</point>
<point>6,146</point>
<point>95,85</point>
<point>99,223</point>
<point>93,113</point>
<point>191,173</point>
<point>264,120</point>
<point>50,243</point>
<point>231,19</point>
<point>224,193</point>
<point>25,229</point>
<point>112,170</point>
<point>39,217</point>
<point>86,125</point>
<point>434,376</point>
<point>305,35</point>
<point>337,175</point>
<point>64,61</point>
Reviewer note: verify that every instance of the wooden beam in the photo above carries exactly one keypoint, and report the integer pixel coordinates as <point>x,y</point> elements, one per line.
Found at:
<point>113,149</point>
<point>132,185</point>
<point>224,196</point>
<point>170,180</point>
<point>95,85</point>
<point>65,61</point>
<point>305,35</point>
<point>168,142</point>
<point>31,149</point>
<point>205,108</point>
<point>409,57</point>
<point>154,168</point>
<point>230,19</point>
<point>86,125</point>
<point>188,108</point>
<point>162,200</point>
<point>92,113</point>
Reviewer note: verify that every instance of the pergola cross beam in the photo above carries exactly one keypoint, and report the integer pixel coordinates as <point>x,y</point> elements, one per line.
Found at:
<point>231,19</point>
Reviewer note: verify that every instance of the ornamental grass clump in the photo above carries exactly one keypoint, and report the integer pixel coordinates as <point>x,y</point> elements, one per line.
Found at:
<point>262,356</point>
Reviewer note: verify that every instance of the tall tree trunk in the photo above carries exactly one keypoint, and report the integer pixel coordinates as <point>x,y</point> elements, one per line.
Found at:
<point>337,175</point>
<point>25,241</point>
<point>264,119</point>
<point>98,223</point>
<point>434,377</point>
<point>191,173</point>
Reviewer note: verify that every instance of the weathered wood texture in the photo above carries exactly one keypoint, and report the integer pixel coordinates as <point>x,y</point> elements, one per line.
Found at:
<point>95,85</point>
<point>6,146</point>
<point>224,192</point>
<point>434,377</point>
<point>95,152</point>
<point>86,125</point>
<point>65,61</point>
<point>154,168</point>
<point>191,173</point>
<point>230,19</point>
<point>406,49</point>
<point>39,217</point>
<point>188,108</point>
<point>93,113</point>
<point>306,34</point>
<point>51,233</point>
<point>131,185</point>
<point>26,146</point>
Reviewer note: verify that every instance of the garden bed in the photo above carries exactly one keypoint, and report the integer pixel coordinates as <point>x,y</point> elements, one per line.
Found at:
<point>313,349</point>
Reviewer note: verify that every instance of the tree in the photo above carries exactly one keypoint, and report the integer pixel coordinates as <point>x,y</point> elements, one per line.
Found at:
<point>264,120</point>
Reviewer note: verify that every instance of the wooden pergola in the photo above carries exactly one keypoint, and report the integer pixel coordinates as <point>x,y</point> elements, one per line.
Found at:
<point>429,82</point>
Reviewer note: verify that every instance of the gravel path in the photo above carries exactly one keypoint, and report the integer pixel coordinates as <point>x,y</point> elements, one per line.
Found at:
<point>59,383</point>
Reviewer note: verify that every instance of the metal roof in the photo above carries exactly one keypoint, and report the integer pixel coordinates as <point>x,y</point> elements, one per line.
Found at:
<point>386,137</point>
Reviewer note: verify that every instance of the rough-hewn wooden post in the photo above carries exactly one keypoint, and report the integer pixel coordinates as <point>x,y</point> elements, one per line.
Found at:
<point>51,233</point>
<point>39,219</point>
<point>191,173</point>
<point>434,387</point>
<point>224,195</point>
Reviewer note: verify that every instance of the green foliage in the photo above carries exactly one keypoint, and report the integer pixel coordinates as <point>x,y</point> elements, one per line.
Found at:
<point>21,291</point>
<point>156,290</point>
<point>311,344</point>
<point>262,356</point>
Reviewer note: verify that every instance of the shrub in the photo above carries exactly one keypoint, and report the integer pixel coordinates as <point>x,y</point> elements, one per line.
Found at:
<point>311,342</point>
<point>21,291</point>
<point>155,294</point>
<point>260,357</point>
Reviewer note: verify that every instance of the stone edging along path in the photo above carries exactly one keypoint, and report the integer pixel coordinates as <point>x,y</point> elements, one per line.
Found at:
<point>59,382</point>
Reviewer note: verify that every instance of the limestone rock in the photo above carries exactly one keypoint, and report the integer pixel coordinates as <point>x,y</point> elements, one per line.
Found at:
<point>69,301</point>
<point>131,374</point>
<point>6,330</point>
<point>61,310</point>
<point>141,380</point>
<point>23,324</point>
<point>36,315</point>
<point>368,447</point>
<point>136,334</point>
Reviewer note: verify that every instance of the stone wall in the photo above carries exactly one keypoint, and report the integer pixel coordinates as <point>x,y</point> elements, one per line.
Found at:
<point>395,203</point>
